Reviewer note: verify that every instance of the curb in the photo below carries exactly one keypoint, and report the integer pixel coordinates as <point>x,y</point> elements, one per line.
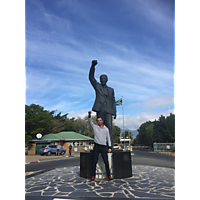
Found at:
<point>40,172</point>
<point>56,159</point>
<point>166,154</point>
<point>32,162</point>
<point>51,159</point>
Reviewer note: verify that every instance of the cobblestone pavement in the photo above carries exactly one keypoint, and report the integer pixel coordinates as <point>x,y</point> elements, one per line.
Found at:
<point>147,182</point>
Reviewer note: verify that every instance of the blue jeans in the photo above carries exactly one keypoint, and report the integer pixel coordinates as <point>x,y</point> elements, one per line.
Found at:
<point>103,150</point>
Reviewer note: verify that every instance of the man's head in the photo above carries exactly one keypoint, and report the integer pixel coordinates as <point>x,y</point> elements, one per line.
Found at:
<point>99,121</point>
<point>103,79</point>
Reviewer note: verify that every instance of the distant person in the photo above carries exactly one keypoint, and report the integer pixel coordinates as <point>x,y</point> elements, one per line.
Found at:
<point>70,149</point>
<point>101,137</point>
<point>58,150</point>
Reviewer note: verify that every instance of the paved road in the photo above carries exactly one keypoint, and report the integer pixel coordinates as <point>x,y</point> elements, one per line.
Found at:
<point>140,157</point>
<point>144,157</point>
<point>53,164</point>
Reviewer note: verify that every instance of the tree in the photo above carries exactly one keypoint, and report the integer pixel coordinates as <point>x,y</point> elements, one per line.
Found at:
<point>160,131</point>
<point>37,120</point>
<point>116,134</point>
<point>149,130</point>
<point>141,136</point>
<point>80,125</point>
<point>88,131</point>
<point>69,125</point>
<point>59,122</point>
<point>170,123</point>
<point>27,137</point>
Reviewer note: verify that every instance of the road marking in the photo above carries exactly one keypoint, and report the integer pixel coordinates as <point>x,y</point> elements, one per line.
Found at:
<point>63,199</point>
<point>132,154</point>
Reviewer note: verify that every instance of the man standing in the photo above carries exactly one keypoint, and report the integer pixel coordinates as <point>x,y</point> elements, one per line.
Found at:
<point>58,150</point>
<point>70,149</point>
<point>104,104</point>
<point>101,137</point>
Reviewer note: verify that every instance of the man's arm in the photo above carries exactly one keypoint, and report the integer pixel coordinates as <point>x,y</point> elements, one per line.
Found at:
<point>90,120</point>
<point>91,74</point>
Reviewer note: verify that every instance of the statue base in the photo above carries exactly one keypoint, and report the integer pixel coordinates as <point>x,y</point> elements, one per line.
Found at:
<point>119,163</point>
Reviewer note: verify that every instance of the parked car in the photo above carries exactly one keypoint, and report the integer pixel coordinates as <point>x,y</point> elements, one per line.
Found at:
<point>50,149</point>
<point>116,146</point>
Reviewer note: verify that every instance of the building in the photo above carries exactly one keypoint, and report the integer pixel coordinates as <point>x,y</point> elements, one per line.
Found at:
<point>79,142</point>
<point>125,142</point>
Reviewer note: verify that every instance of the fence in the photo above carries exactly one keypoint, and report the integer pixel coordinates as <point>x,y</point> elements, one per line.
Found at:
<point>164,146</point>
<point>141,147</point>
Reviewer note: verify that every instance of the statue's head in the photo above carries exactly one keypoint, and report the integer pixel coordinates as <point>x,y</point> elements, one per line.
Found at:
<point>103,79</point>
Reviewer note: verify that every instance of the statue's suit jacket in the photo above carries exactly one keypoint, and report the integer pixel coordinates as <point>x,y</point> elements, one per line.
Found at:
<point>102,97</point>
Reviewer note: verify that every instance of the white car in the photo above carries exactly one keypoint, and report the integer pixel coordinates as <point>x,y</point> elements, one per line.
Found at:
<point>116,146</point>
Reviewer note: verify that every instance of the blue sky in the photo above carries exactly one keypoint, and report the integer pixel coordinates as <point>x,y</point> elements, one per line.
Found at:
<point>133,42</point>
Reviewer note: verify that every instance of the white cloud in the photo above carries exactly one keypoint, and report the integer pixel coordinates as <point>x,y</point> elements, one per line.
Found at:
<point>154,11</point>
<point>133,122</point>
<point>81,113</point>
<point>58,63</point>
<point>155,102</point>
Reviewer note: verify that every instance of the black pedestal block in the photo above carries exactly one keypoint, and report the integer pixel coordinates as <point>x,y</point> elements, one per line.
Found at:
<point>122,165</point>
<point>86,160</point>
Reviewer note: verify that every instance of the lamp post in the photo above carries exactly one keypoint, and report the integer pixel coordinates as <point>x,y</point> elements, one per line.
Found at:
<point>120,139</point>
<point>126,137</point>
<point>129,139</point>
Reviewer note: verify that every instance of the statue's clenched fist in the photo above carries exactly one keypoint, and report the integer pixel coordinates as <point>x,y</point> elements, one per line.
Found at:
<point>94,62</point>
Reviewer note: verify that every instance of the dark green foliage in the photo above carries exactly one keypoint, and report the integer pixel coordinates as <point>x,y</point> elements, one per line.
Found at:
<point>161,131</point>
<point>38,120</point>
<point>116,134</point>
<point>127,133</point>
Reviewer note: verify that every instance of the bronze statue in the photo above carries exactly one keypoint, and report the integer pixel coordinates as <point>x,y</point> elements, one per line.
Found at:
<point>104,104</point>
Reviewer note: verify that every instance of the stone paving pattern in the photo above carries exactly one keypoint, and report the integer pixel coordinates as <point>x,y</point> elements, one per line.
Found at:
<point>146,182</point>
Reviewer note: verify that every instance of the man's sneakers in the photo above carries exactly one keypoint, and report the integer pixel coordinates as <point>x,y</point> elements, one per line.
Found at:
<point>92,179</point>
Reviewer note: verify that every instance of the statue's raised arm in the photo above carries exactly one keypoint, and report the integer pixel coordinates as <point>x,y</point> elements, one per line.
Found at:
<point>93,81</point>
